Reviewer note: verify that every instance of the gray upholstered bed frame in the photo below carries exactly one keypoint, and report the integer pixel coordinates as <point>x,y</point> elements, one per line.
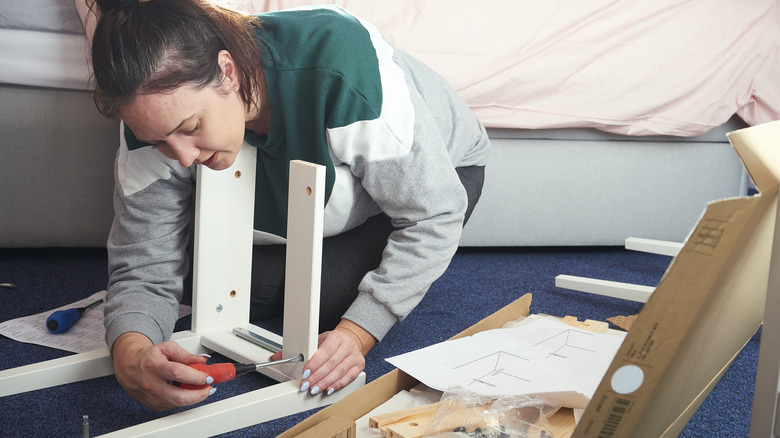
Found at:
<point>567,187</point>
<point>543,188</point>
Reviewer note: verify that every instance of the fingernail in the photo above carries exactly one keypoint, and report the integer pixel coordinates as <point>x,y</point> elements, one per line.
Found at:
<point>306,374</point>
<point>209,380</point>
<point>315,390</point>
<point>305,386</point>
<point>205,355</point>
<point>330,391</point>
<point>212,391</point>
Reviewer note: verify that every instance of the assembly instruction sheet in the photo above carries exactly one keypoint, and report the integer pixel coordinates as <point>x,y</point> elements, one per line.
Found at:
<point>542,356</point>
<point>86,335</point>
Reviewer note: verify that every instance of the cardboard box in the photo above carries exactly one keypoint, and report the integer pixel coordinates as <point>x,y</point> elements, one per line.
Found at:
<point>362,401</point>
<point>707,307</point>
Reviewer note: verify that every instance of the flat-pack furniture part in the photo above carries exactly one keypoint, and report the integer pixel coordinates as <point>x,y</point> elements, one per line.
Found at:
<point>221,297</point>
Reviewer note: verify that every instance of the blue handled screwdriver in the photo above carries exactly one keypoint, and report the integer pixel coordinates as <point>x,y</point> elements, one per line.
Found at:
<point>62,320</point>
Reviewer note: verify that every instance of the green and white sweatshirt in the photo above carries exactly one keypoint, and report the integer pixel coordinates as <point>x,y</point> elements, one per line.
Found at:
<point>390,132</point>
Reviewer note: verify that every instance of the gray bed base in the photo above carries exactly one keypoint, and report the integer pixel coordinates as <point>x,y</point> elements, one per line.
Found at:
<point>583,187</point>
<point>561,187</point>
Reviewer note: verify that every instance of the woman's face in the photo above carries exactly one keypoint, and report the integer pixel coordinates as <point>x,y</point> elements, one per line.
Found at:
<point>192,125</point>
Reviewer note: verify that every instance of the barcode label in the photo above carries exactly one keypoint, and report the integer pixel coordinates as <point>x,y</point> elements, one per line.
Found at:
<point>615,415</point>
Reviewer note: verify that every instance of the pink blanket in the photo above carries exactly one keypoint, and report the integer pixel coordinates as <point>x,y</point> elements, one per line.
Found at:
<point>674,67</point>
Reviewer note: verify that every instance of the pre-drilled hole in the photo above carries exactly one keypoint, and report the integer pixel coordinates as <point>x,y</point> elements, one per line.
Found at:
<point>232,294</point>
<point>308,191</point>
<point>238,174</point>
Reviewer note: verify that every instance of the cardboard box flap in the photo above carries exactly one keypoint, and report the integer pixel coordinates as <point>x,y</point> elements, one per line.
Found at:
<point>759,149</point>
<point>706,308</point>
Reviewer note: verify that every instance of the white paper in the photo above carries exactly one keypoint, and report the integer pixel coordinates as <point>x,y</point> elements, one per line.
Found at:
<point>87,334</point>
<point>542,356</point>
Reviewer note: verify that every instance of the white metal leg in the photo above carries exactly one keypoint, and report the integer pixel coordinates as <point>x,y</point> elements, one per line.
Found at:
<point>654,246</point>
<point>221,298</point>
<point>615,289</point>
<point>304,262</point>
<point>236,412</point>
<point>222,271</point>
<point>626,291</point>
<point>56,372</point>
<point>74,368</point>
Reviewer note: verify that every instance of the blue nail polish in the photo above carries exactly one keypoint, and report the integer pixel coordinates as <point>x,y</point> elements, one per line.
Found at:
<point>212,391</point>
<point>306,374</point>
<point>315,390</point>
<point>209,380</point>
<point>305,386</point>
<point>330,391</point>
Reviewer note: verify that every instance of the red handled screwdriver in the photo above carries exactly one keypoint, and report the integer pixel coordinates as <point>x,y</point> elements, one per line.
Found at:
<point>222,372</point>
<point>62,320</point>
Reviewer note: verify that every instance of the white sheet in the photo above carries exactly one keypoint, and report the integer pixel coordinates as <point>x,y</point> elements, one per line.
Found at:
<point>537,357</point>
<point>43,59</point>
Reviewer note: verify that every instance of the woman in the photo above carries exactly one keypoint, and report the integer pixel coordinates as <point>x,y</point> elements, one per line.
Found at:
<point>193,81</point>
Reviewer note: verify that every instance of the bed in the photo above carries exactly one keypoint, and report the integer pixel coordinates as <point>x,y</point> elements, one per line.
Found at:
<point>608,118</point>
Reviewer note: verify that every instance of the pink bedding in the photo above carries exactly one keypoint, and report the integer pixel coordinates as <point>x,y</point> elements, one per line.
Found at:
<point>635,67</point>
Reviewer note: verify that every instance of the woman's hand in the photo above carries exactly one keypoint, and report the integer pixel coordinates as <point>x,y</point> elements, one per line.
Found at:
<point>146,371</point>
<point>339,359</point>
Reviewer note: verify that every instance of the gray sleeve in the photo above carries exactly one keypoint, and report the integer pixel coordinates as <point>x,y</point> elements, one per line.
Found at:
<point>147,245</point>
<point>423,195</point>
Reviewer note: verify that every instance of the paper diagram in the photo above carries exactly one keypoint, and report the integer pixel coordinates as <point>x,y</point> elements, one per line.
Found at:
<point>497,370</point>
<point>541,356</point>
<point>567,344</point>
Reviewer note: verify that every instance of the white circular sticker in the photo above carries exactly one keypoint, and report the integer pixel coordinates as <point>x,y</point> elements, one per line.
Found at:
<point>627,379</point>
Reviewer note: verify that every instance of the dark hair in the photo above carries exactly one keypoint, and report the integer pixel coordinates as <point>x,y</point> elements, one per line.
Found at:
<point>152,46</point>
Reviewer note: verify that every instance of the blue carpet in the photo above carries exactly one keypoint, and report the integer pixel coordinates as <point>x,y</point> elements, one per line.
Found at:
<point>477,283</point>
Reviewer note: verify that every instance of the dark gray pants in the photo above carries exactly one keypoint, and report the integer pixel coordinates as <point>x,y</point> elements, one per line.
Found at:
<point>346,258</point>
